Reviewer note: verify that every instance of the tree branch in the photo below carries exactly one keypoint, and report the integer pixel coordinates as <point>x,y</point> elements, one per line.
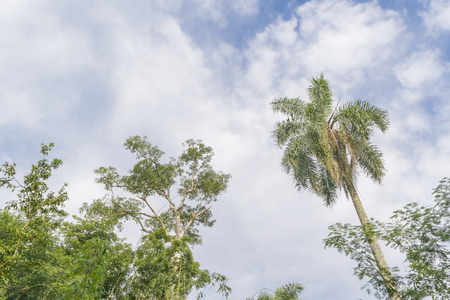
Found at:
<point>158,191</point>
<point>155,215</point>
<point>190,190</point>
<point>142,226</point>
<point>194,216</point>
<point>170,186</point>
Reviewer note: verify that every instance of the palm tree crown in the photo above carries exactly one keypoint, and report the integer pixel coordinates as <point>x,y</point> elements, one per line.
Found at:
<point>325,147</point>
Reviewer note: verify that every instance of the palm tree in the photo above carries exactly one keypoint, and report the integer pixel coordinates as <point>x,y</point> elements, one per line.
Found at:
<point>325,148</point>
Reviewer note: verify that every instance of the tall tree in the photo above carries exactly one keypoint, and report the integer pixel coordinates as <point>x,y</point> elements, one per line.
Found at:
<point>188,185</point>
<point>325,147</point>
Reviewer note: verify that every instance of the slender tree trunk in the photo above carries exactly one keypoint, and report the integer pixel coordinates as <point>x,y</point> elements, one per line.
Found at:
<point>374,245</point>
<point>177,255</point>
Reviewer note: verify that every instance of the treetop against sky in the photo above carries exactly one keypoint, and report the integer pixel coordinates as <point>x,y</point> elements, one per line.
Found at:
<point>86,76</point>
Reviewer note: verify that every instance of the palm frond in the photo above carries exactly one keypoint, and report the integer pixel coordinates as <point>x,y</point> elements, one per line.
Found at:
<point>321,99</point>
<point>301,165</point>
<point>286,130</point>
<point>294,108</point>
<point>329,188</point>
<point>290,291</point>
<point>361,117</point>
<point>371,162</point>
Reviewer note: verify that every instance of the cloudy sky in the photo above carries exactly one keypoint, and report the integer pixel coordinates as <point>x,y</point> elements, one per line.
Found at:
<point>88,74</point>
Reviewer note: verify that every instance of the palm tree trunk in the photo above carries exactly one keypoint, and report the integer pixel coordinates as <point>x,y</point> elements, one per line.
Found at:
<point>374,245</point>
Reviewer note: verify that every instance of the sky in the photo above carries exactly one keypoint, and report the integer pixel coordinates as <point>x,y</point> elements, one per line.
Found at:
<point>86,75</point>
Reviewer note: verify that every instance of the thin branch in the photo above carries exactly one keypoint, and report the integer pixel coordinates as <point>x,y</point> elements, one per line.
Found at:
<point>142,226</point>
<point>18,182</point>
<point>170,185</point>
<point>367,258</point>
<point>190,190</point>
<point>194,216</point>
<point>158,191</point>
<point>155,215</point>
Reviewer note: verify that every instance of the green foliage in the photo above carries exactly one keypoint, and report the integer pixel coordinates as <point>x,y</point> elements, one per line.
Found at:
<point>88,272</point>
<point>156,269</point>
<point>34,199</point>
<point>44,257</point>
<point>289,291</point>
<point>324,147</point>
<point>35,263</point>
<point>101,232</point>
<point>190,177</point>
<point>421,233</point>
<point>165,269</point>
<point>29,264</point>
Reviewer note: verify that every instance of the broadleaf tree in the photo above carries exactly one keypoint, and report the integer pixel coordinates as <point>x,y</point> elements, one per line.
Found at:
<point>187,184</point>
<point>88,272</point>
<point>86,236</point>
<point>327,146</point>
<point>28,261</point>
<point>156,274</point>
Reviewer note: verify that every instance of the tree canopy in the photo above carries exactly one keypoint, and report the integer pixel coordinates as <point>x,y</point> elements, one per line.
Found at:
<point>188,185</point>
<point>44,255</point>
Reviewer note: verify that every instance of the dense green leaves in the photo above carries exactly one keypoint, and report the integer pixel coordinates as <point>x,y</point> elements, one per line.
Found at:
<point>29,264</point>
<point>44,256</point>
<point>88,272</point>
<point>159,275</point>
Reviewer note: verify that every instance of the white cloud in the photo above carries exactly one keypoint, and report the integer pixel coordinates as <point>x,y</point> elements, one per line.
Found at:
<point>344,37</point>
<point>34,37</point>
<point>167,6</point>
<point>218,11</point>
<point>344,40</point>
<point>437,16</point>
<point>161,77</point>
<point>39,50</point>
<point>421,70</point>
<point>244,7</point>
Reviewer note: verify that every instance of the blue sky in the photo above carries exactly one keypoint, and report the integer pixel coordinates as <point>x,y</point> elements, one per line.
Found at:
<point>87,75</point>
